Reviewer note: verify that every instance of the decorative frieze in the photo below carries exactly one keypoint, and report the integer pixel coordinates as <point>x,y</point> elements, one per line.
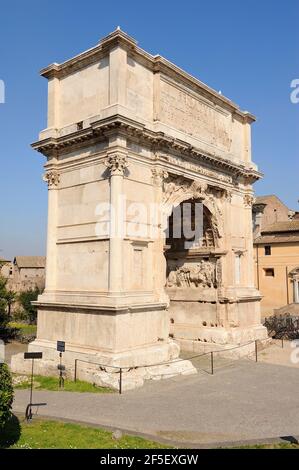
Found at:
<point>198,275</point>
<point>232,169</point>
<point>194,167</point>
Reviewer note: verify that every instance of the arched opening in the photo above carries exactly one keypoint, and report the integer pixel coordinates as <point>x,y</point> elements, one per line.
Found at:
<point>192,269</point>
<point>190,227</point>
<point>190,241</point>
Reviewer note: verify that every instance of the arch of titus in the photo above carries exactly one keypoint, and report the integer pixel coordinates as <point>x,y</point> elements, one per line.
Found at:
<point>130,139</point>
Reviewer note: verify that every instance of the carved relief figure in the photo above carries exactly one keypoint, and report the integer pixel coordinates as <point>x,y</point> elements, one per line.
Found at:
<point>202,274</point>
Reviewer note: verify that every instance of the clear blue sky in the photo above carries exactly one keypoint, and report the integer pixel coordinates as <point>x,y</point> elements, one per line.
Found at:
<point>248,50</point>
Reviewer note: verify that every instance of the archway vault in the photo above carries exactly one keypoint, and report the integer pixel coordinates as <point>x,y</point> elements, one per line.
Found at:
<point>177,189</point>
<point>194,276</point>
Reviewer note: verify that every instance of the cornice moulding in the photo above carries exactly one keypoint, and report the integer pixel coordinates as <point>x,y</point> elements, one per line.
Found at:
<point>159,140</point>
<point>112,309</point>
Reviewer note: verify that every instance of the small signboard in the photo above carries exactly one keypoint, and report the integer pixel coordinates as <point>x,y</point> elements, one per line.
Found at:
<point>33,355</point>
<point>61,346</point>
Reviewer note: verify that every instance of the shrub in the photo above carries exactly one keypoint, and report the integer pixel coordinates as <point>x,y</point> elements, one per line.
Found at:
<point>3,307</point>
<point>3,324</point>
<point>25,299</point>
<point>6,394</point>
<point>19,315</point>
<point>22,332</point>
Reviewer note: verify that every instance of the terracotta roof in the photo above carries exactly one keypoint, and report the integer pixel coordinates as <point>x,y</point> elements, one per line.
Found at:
<point>266,199</point>
<point>277,238</point>
<point>283,226</point>
<point>30,261</point>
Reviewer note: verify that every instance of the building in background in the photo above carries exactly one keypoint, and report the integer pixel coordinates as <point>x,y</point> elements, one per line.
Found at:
<point>267,210</point>
<point>3,262</point>
<point>276,251</point>
<point>24,273</point>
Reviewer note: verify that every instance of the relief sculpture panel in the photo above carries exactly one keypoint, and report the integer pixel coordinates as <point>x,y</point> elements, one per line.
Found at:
<point>192,280</point>
<point>201,274</point>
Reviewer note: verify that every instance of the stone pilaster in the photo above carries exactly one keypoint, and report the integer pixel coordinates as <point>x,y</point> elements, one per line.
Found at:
<point>248,258</point>
<point>158,177</point>
<point>52,178</point>
<point>116,163</point>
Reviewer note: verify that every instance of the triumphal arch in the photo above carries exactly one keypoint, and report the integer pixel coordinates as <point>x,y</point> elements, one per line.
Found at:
<point>137,150</point>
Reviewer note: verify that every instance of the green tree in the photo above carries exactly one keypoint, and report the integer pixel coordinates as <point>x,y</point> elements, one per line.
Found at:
<point>25,299</point>
<point>3,306</point>
<point>11,297</point>
<point>6,395</point>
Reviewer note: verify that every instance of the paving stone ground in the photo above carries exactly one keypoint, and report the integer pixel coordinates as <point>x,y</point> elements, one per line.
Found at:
<point>242,401</point>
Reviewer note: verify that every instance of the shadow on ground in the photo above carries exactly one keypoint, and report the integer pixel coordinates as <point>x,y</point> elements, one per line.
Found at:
<point>11,433</point>
<point>207,364</point>
<point>290,439</point>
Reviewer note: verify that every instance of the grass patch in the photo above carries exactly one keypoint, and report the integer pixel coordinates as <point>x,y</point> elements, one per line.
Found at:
<point>52,383</point>
<point>278,445</point>
<point>24,328</point>
<point>45,434</point>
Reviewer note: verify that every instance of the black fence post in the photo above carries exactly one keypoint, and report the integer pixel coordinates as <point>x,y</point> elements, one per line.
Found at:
<point>75,375</point>
<point>120,380</point>
<point>282,343</point>
<point>255,350</point>
<point>212,363</point>
<point>31,384</point>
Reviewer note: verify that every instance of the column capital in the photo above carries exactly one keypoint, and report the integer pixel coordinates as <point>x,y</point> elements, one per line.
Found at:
<point>159,175</point>
<point>52,177</point>
<point>248,200</point>
<point>117,162</point>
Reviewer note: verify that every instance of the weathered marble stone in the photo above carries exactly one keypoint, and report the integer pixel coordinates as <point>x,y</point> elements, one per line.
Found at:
<point>131,139</point>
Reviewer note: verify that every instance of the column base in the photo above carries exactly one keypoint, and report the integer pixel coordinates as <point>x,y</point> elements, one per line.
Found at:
<point>230,342</point>
<point>101,368</point>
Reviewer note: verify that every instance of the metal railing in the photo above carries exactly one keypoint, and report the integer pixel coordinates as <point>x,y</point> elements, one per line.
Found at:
<point>283,326</point>
<point>209,353</point>
<point>120,369</point>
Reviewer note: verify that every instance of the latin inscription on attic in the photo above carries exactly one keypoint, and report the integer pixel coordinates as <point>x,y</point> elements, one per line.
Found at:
<point>188,114</point>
